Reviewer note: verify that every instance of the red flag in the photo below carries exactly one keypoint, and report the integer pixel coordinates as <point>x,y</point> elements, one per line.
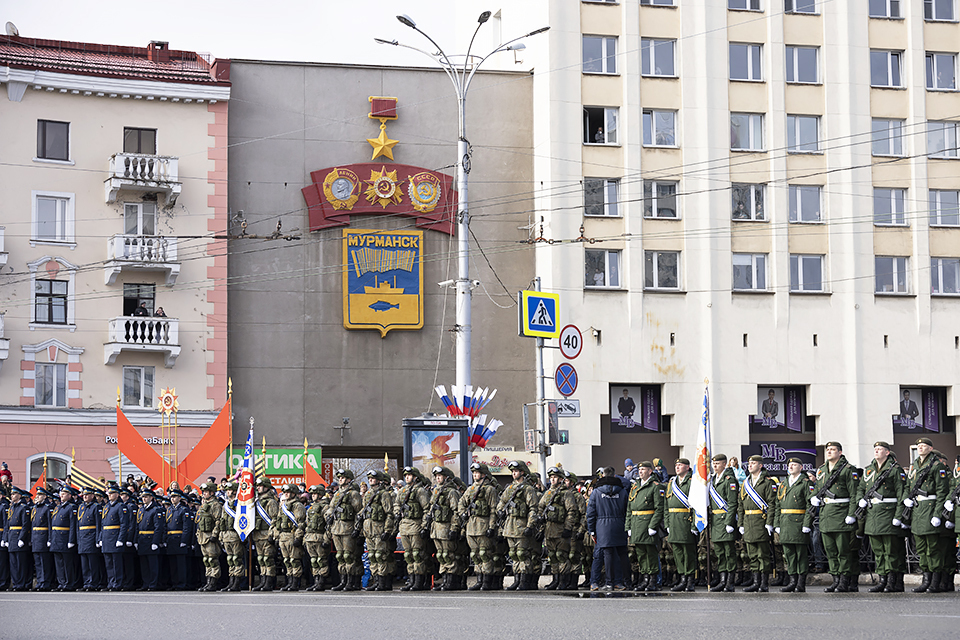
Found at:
<point>214,441</point>
<point>131,444</point>
<point>41,481</point>
<point>310,475</point>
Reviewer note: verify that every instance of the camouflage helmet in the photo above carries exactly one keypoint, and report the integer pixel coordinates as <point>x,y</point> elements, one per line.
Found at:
<point>290,488</point>
<point>572,477</point>
<point>208,486</point>
<point>480,468</point>
<point>264,481</point>
<point>380,476</point>
<point>555,471</point>
<point>345,473</point>
<point>317,489</point>
<point>229,486</point>
<point>519,465</point>
<point>441,471</point>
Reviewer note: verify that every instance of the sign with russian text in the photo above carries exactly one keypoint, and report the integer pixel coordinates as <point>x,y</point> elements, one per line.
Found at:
<point>776,452</point>
<point>285,462</point>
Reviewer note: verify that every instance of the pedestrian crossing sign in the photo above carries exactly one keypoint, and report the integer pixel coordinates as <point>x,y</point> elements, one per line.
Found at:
<point>539,314</point>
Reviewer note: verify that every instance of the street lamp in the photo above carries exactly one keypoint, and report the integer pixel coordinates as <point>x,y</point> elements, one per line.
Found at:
<point>461,77</point>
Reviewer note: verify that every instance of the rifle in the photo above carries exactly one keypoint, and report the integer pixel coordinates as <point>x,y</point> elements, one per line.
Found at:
<point>825,490</point>
<point>873,492</point>
<point>954,497</point>
<point>363,515</point>
<point>916,491</point>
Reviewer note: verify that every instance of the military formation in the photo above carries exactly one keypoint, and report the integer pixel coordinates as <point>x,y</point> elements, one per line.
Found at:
<point>758,534</point>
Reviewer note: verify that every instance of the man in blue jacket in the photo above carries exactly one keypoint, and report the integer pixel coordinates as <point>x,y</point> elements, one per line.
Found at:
<point>606,516</point>
<point>40,538</point>
<point>178,539</point>
<point>151,523</point>
<point>16,538</point>
<point>114,522</point>
<point>63,541</point>
<point>88,535</point>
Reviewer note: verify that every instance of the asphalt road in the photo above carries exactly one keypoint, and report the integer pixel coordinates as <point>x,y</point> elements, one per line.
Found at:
<point>474,616</point>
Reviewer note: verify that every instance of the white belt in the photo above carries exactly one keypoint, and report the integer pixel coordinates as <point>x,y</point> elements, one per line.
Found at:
<point>922,498</point>
<point>835,500</point>
<point>879,500</point>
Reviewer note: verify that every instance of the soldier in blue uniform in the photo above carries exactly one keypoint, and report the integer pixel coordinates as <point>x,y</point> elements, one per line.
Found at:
<point>17,540</point>
<point>178,540</point>
<point>150,530</point>
<point>4,556</point>
<point>88,535</point>
<point>40,539</point>
<point>131,566</point>
<point>63,541</point>
<point>114,523</point>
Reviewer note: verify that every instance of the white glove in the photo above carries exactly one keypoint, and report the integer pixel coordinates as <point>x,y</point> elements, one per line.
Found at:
<point>769,528</point>
<point>119,544</point>
<point>48,544</point>
<point>136,546</point>
<point>777,529</point>
<point>907,502</point>
<point>815,501</point>
<point>668,530</point>
<point>950,524</point>
<point>904,526</point>
<point>651,532</point>
<point>154,547</point>
<point>935,521</point>
<point>896,522</point>
<point>99,544</point>
<point>629,533</point>
<point>183,544</point>
<point>862,503</point>
<point>3,543</point>
<point>948,505</point>
<point>741,530</point>
<point>729,529</point>
<point>805,530</point>
<point>19,543</point>
<point>849,520</point>
<point>70,545</point>
<point>129,544</point>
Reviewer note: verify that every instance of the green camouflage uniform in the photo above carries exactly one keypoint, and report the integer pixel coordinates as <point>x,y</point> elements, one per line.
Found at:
<point>341,517</point>
<point>519,505</point>
<point>315,539</point>
<point>289,534</point>
<point>409,508</point>
<point>379,522</point>
<point>262,540</point>
<point>207,518</point>
<point>478,504</point>
<point>230,540</point>
<point>444,530</point>
<point>558,510</point>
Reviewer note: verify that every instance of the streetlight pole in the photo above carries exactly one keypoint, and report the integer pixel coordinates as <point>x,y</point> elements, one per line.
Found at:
<point>461,78</point>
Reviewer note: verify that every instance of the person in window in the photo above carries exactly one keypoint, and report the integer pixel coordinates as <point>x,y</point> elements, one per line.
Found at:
<point>159,313</point>
<point>598,136</point>
<point>141,311</point>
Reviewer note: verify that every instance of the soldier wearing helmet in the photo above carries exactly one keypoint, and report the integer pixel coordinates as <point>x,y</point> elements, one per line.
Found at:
<point>267,508</point>
<point>379,528</point>
<point>518,506</point>
<point>477,508</point>
<point>409,509</point>
<point>341,518</point>
<point>316,538</point>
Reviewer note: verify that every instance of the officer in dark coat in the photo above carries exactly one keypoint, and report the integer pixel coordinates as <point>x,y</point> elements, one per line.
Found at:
<point>63,541</point>
<point>150,531</point>
<point>88,536</point>
<point>113,534</point>
<point>4,556</point>
<point>606,520</point>
<point>40,539</point>
<point>17,540</point>
<point>178,539</point>
<point>131,564</point>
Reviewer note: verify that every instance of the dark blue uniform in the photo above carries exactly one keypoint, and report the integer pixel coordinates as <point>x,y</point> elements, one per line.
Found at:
<point>114,524</point>
<point>150,530</point>
<point>4,556</point>
<point>63,544</point>
<point>88,533</point>
<point>17,536</point>
<point>40,539</point>
<point>178,540</point>
<point>131,566</point>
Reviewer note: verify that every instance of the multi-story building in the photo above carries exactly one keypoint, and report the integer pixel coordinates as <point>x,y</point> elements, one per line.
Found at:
<point>113,200</point>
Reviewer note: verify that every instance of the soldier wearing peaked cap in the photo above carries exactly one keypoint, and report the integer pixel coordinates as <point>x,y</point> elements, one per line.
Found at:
<point>681,531</point>
<point>88,535</point>
<point>927,484</point>
<point>151,523</point>
<point>644,518</point>
<point>837,481</point>
<point>178,539</point>
<point>114,522</point>
<point>793,522</point>
<point>880,497</point>
<point>341,518</point>
<point>131,563</point>
<point>208,515</point>
<point>16,539</point>
<point>63,541</point>
<point>724,503</point>
<point>40,539</point>
<point>518,504</point>
<point>316,538</point>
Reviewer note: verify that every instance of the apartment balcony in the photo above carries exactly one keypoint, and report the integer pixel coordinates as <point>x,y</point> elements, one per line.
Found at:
<point>141,253</point>
<point>150,335</point>
<point>143,173</point>
<point>4,344</point>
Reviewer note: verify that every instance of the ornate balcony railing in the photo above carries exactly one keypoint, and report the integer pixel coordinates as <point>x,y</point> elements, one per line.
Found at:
<point>140,172</point>
<point>145,253</point>
<point>137,333</point>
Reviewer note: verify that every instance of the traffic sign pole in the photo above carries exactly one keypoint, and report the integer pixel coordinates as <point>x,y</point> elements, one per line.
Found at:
<point>541,405</point>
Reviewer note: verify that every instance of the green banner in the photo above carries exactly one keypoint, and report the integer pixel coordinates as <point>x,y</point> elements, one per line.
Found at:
<point>284,461</point>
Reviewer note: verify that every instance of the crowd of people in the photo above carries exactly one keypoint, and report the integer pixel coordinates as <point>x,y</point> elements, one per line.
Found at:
<point>635,530</point>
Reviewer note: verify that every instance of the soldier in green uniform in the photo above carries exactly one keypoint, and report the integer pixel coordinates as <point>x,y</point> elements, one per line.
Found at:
<point>681,532</point>
<point>341,517</point>
<point>288,530</point>
<point>230,539</point>
<point>316,539</point>
<point>266,509</point>
<point>576,542</point>
<point>837,480</point>
<point>928,485</point>
<point>444,530</point>
<point>557,509</point>
<point>724,505</point>
<point>476,511</point>
<point>758,496</point>
<point>208,514</point>
<point>409,509</point>
<point>518,506</point>
<point>644,516</point>
<point>949,543</point>
<point>586,556</point>
<point>880,496</point>
<point>379,528</point>
<point>792,522</point>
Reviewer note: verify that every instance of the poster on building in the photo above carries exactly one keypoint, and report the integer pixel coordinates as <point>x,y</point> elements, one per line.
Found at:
<point>918,411</point>
<point>497,459</point>
<point>439,447</point>
<point>635,408</point>
<point>775,454</point>
<point>779,410</point>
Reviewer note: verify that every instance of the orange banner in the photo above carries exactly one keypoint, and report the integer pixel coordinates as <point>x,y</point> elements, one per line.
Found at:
<point>310,475</point>
<point>214,441</point>
<point>131,444</point>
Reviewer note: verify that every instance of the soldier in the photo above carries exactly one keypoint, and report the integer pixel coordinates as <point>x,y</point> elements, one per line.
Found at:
<point>267,509</point>
<point>379,529</point>
<point>475,513</point>
<point>315,538</point>
<point>17,540</point>
<point>557,509</point>
<point>517,510</point>
<point>948,542</point>
<point>681,532</point>
<point>409,509</point>
<point>178,539</point>
<point>224,531</point>
<point>40,540</point>
<point>587,542</point>
<point>113,534</point>
<point>793,521</point>
<point>129,556</point>
<point>150,530</point>
<point>880,496</point>
<point>4,555</point>
<point>644,517</point>
<point>341,517</point>
<point>837,481</point>
<point>88,535</point>
<point>444,531</point>
<point>570,481</point>
<point>756,513</point>
<point>288,529</point>
<point>724,506</point>
<point>929,485</point>
<point>208,515</point>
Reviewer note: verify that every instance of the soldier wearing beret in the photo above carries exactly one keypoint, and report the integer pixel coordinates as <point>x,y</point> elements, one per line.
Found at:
<point>880,497</point>
<point>316,538</point>
<point>476,508</point>
<point>793,522</point>
<point>151,521</point>
<point>928,484</point>
<point>233,548</point>
<point>341,522</point>
<point>379,530</point>
<point>644,517</point>
<point>518,504</point>
<point>288,529</point>
<point>758,496</point>
<point>724,504</point>
<point>114,522</point>
<point>837,481</point>
<point>40,540</point>
<point>681,532</point>
<point>410,508</point>
<point>206,519</point>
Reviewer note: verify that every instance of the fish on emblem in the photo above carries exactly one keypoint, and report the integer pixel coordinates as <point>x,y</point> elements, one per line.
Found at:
<point>383,305</point>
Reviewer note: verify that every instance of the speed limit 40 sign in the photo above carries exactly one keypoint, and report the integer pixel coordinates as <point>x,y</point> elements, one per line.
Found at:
<point>571,342</point>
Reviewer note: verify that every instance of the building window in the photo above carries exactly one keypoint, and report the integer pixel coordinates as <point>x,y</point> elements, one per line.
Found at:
<point>600,125</point>
<point>50,382</point>
<point>658,3</point>
<point>885,69</point>
<point>601,268</point>
<point>806,273</point>
<point>938,10</point>
<point>661,270</point>
<point>140,219</point>
<point>50,301</point>
<point>53,217</point>
<point>659,128</point>
<point>942,138</point>
<point>744,5</point>
<point>800,6</point>
<point>53,140</point>
<point>58,466</point>
<point>749,272</point>
<point>658,57</point>
<point>143,141</point>
<point>138,387</point>
<point>599,54</point>
<point>660,199</point>
<point>885,9</point>
<point>944,208</point>
<point>601,197</point>
<point>888,206</point>
<point>748,202</point>
<point>805,203</point>
<point>891,274</point>
<point>942,71</point>
<point>802,65</point>
<point>746,131</point>
<point>887,137</point>
<point>945,276</point>
<point>803,134</point>
<point>745,62</point>
<point>137,295</point>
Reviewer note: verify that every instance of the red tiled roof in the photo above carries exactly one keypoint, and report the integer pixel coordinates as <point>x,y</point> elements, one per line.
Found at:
<point>109,61</point>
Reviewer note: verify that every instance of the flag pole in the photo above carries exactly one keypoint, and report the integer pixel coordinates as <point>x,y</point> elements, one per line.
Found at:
<point>709,443</point>
<point>230,418</point>
<point>119,453</point>
<point>305,462</point>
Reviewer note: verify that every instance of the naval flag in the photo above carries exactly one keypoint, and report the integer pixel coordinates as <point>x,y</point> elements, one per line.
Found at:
<point>245,520</point>
<point>701,472</point>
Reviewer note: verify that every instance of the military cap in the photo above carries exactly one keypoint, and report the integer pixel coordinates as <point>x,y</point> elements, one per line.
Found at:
<point>100,493</point>
<point>345,473</point>
<point>16,490</point>
<point>43,491</point>
<point>515,465</point>
<point>113,489</point>
<point>647,464</point>
<point>685,461</point>
<point>177,492</point>
<point>73,491</point>
<point>90,490</point>
<point>554,471</point>
<point>797,460</point>
<point>65,488</point>
<point>208,486</point>
<point>720,457</point>
<point>881,443</point>
<point>926,441</point>
<point>317,489</point>
<point>755,458</point>
<point>264,481</point>
<point>833,443</point>
<point>147,492</point>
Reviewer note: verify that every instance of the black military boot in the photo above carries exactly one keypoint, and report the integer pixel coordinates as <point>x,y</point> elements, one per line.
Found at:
<point>229,586</point>
<point>439,582</point>
<point>372,584</point>
<point>790,586</point>
<point>778,581</point>
<point>680,586</point>
<point>517,579</point>
<point>946,581</point>
<point>343,583</point>
<point>833,587</point>
<point>801,583</point>
<point>730,587</point>
<point>554,583</point>
<point>925,584</point>
<point>881,584</point>
<point>891,586</point>
<point>271,583</point>
<point>411,580</point>
<point>528,582</point>
<point>386,583</point>
<point>641,582</point>
<point>459,582</point>
<point>746,580</point>
<point>754,586</point>
<point>764,582</point>
<point>934,583</point>
<point>853,583</point>
<point>479,583</point>
<point>844,584</point>
<point>691,583</point>
<point>294,583</point>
